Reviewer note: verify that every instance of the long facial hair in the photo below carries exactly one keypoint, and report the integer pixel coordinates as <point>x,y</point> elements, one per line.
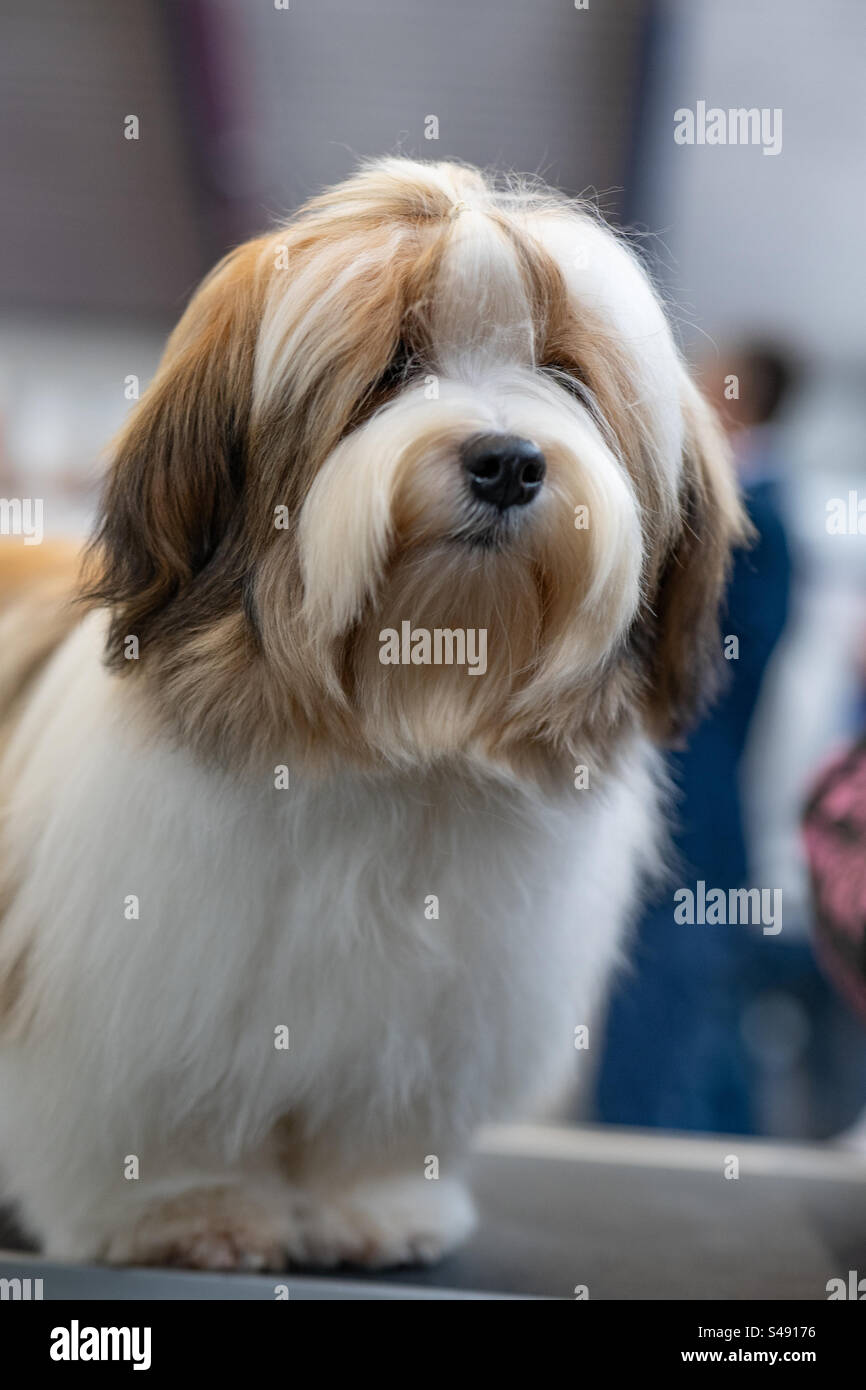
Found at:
<point>288,488</point>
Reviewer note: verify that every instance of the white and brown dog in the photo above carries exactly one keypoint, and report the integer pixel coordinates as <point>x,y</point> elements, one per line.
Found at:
<point>235,1029</point>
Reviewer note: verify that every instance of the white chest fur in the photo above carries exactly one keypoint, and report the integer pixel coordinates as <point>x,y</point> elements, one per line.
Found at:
<point>184,920</point>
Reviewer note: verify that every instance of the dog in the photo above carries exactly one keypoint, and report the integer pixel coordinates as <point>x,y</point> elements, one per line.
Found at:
<point>286,920</point>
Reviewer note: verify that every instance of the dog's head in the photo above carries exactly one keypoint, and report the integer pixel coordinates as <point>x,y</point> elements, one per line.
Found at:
<point>425,404</point>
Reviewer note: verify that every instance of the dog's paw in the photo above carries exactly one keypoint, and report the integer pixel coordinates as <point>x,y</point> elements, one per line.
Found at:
<point>396,1221</point>
<point>218,1228</point>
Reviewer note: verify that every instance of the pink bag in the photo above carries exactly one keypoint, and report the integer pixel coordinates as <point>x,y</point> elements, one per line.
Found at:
<point>834,828</point>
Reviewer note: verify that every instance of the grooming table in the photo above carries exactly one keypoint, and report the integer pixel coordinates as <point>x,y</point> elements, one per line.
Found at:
<point>628,1214</point>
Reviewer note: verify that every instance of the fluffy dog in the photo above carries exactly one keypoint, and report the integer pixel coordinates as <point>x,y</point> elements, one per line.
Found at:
<point>283,923</point>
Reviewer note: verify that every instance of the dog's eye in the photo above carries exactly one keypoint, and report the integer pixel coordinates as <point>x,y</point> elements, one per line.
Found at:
<point>568,380</point>
<point>393,378</point>
<point>395,374</point>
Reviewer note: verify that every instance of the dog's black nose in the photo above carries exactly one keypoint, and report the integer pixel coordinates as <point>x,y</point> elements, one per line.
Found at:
<point>503,469</point>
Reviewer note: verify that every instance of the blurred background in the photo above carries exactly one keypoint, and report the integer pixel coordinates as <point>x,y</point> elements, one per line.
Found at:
<point>143,139</point>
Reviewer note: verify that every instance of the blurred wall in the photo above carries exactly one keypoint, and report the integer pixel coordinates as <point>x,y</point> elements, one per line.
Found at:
<point>246,109</point>
<point>243,109</point>
<point>93,222</point>
<point>759,239</point>
<point>537,87</point>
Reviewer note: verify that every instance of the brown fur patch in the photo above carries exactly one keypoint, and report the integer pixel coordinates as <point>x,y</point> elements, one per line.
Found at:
<point>681,628</point>
<point>37,611</point>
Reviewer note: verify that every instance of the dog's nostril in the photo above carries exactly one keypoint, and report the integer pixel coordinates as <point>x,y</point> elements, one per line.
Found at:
<point>487,467</point>
<point>503,469</point>
<point>533,471</point>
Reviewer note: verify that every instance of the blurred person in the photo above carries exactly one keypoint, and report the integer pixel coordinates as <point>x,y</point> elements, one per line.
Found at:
<point>834,838</point>
<point>674,1056</point>
<point>834,826</point>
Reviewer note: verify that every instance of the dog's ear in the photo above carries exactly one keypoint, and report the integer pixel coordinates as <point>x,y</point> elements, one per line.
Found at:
<point>686,659</point>
<point>177,472</point>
